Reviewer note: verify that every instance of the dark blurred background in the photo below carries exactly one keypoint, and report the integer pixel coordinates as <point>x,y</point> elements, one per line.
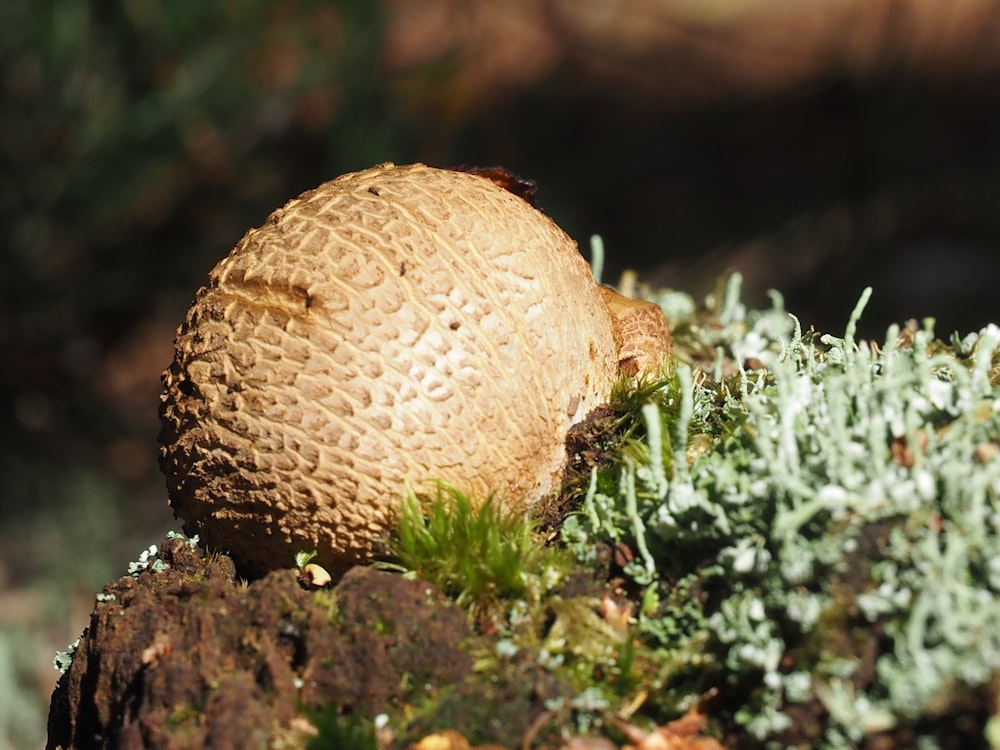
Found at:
<point>817,147</point>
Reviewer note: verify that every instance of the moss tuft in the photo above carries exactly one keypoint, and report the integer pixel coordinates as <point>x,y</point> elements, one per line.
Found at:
<point>474,551</point>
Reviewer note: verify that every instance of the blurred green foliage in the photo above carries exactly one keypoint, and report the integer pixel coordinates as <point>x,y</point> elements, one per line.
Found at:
<point>138,141</point>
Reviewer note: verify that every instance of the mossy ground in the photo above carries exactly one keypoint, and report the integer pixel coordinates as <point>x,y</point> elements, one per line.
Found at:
<point>787,541</point>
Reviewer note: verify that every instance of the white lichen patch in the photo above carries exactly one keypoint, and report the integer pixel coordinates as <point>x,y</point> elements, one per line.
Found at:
<point>847,484</point>
<point>148,560</point>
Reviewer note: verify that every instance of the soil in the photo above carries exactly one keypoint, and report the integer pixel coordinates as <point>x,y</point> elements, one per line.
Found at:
<point>189,656</point>
<point>185,654</point>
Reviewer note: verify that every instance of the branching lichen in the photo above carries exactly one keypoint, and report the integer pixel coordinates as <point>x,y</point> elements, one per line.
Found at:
<point>149,559</point>
<point>830,507</point>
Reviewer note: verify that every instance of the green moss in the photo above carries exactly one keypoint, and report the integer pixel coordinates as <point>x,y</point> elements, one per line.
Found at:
<point>183,714</point>
<point>539,620</point>
<point>338,732</point>
<point>474,551</point>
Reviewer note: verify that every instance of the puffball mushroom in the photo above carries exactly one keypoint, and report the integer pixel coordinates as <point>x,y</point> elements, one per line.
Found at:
<point>391,328</point>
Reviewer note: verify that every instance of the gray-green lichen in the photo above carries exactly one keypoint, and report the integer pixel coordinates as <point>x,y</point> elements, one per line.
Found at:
<point>148,559</point>
<point>820,534</point>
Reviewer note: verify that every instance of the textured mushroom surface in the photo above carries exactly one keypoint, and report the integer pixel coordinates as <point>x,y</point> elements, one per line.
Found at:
<point>396,325</point>
<point>641,335</point>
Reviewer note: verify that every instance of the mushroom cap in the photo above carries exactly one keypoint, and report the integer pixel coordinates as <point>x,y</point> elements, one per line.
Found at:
<point>641,334</point>
<point>392,327</point>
